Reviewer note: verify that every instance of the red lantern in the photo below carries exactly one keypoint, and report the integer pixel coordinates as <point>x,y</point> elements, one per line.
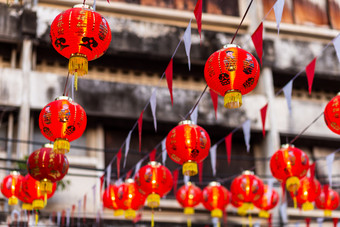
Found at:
<point>288,165</point>
<point>81,35</point>
<point>10,187</point>
<point>130,197</point>
<point>189,196</point>
<point>215,199</point>
<point>154,180</point>
<point>328,200</point>
<point>188,144</point>
<point>62,121</point>
<point>308,191</point>
<point>332,114</point>
<point>110,200</point>
<point>232,72</point>
<point>268,201</point>
<point>47,167</point>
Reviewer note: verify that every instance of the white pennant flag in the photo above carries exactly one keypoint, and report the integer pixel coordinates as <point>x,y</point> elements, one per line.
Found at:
<point>79,210</point>
<point>257,224</point>
<point>68,214</point>
<point>127,147</point>
<point>164,153</point>
<point>94,196</point>
<point>270,189</point>
<point>108,175</point>
<point>278,9</point>
<point>297,224</point>
<point>246,133</point>
<point>153,104</point>
<point>329,162</point>
<point>287,90</point>
<point>186,179</point>
<point>319,221</point>
<point>213,158</point>
<point>336,43</point>
<point>283,212</point>
<point>58,218</point>
<point>137,167</point>
<point>194,115</point>
<point>187,42</point>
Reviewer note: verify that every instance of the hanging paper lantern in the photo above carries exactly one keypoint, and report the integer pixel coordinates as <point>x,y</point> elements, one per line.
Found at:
<point>288,165</point>
<point>232,72</point>
<point>110,200</point>
<point>308,191</point>
<point>328,200</point>
<point>81,35</point>
<point>154,180</point>
<point>10,187</point>
<point>188,144</point>
<point>47,167</point>
<point>189,196</point>
<point>215,199</point>
<point>332,114</point>
<point>247,188</point>
<point>130,197</point>
<point>268,201</point>
<point>62,121</point>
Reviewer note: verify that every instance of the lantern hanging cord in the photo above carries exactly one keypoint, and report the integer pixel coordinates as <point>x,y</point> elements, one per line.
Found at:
<point>199,99</point>
<point>68,75</point>
<point>239,26</point>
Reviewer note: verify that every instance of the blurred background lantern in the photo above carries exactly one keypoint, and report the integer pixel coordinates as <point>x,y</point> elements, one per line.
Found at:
<point>332,114</point>
<point>62,121</point>
<point>188,144</point>
<point>289,165</point>
<point>328,200</point>
<point>81,35</point>
<point>47,167</point>
<point>215,199</point>
<point>110,200</point>
<point>308,191</point>
<point>10,187</point>
<point>232,72</point>
<point>154,180</point>
<point>268,201</point>
<point>130,197</point>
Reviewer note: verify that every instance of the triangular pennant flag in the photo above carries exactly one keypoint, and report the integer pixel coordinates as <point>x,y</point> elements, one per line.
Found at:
<point>310,70</point>
<point>312,170</point>
<point>320,221</point>
<point>127,147</point>
<point>140,123</point>
<point>307,221</point>
<point>257,38</point>
<point>336,43</point>
<point>175,175</point>
<point>194,115</point>
<point>246,133</point>
<point>84,209</point>
<point>297,224</point>
<point>58,218</point>
<point>68,214</point>
<point>263,118</point>
<point>108,174</point>
<point>278,9</point>
<point>213,159</point>
<point>152,155</point>
<point>187,42</point>
<point>287,90</point>
<point>198,15</point>
<point>270,183</point>
<point>137,218</point>
<point>94,187</point>
<point>200,171</point>
<point>72,214</point>
<point>94,5</point>
<point>214,98</point>
<point>335,222</point>
<point>164,153</point>
<point>119,157</point>
<point>283,212</point>
<point>101,184</point>
<point>186,179</point>
<point>329,162</point>
<point>138,165</point>
<point>228,145</point>
<point>168,74</point>
<point>79,210</point>
<point>153,104</point>
<point>128,174</point>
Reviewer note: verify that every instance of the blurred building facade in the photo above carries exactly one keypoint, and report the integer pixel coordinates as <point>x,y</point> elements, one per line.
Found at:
<point>145,34</point>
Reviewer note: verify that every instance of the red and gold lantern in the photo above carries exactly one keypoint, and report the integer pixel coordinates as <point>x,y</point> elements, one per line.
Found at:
<point>188,144</point>
<point>81,35</point>
<point>215,199</point>
<point>130,197</point>
<point>328,200</point>
<point>308,191</point>
<point>268,201</point>
<point>62,121</point>
<point>154,180</point>
<point>47,167</point>
<point>332,114</point>
<point>289,165</point>
<point>110,200</point>
<point>10,187</point>
<point>232,72</point>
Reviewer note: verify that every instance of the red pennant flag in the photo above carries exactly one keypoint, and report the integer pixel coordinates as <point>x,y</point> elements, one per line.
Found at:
<point>310,69</point>
<point>101,186</point>
<point>200,171</point>
<point>140,123</point>
<point>168,74</point>
<point>257,38</point>
<point>72,214</point>
<point>128,174</point>
<point>198,15</point>
<point>228,143</point>
<point>84,210</point>
<point>153,155</point>
<point>312,170</point>
<point>214,98</point>
<point>335,221</point>
<point>119,157</point>
<point>63,214</point>
<point>307,222</point>
<point>137,218</point>
<point>263,118</point>
<point>175,175</point>
<point>270,220</point>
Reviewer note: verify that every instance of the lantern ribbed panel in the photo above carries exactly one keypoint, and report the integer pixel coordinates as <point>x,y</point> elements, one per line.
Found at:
<point>215,197</point>
<point>189,195</point>
<point>247,188</point>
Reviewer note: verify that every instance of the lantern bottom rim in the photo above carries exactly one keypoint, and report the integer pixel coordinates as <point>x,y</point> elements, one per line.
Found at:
<point>61,146</point>
<point>78,65</point>
<point>130,214</point>
<point>264,214</point>
<point>189,210</point>
<point>26,206</point>
<point>233,99</point>
<point>190,168</point>
<point>153,200</point>
<point>216,213</point>
<point>292,184</point>
<point>307,206</point>
<point>12,200</point>
<point>38,204</point>
<point>118,212</point>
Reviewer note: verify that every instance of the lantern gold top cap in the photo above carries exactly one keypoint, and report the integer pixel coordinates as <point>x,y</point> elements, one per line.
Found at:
<point>231,45</point>
<point>129,181</point>
<point>287,145</point>
<point>63,98</point>
<point>48,145</point>
<point>15,173</point>
<point>154,163</point>
<point>84,6</point>
<point>190,183</point>
<point>338,93</point>
<point>214,183</point>
<point>248,172</point>
<point>186,122</point>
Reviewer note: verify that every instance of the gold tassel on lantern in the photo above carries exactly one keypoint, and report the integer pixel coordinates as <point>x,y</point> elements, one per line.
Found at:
<point>233,99</point>
<point>152,218</point>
